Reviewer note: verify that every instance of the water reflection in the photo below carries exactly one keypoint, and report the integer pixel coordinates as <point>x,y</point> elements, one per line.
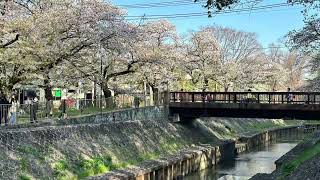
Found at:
<point>260,160</point>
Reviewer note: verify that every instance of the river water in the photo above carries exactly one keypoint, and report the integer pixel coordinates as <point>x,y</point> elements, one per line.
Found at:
<point>260,160</point>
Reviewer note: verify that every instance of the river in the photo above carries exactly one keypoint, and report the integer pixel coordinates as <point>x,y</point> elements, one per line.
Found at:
<point>260,160</point>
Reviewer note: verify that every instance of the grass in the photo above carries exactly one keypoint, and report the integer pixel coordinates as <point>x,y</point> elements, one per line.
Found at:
<point>307,154</point>
<point>171,146</point>
<point>33,151</point>
<point>24,177</point>
<point>24,165</point>
<point>82,168</point>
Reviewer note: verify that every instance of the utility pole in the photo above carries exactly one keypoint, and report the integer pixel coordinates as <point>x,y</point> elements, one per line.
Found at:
<point>101,74</point>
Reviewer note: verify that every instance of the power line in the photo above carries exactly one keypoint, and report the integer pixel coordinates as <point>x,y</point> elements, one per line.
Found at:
<point>176,3</point>
<point>266,48</point>
<point>159,4</point>
<point>241,13</point>
<point>218,12</point>
<point>239,10</point>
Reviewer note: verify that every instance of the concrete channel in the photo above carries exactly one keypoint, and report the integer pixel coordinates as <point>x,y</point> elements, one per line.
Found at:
<point>202,157</point>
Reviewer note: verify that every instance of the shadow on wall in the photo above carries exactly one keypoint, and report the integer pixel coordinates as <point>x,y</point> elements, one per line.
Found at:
<point>77,151</point>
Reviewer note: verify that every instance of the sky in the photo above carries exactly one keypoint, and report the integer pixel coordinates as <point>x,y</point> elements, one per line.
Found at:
<point>270,24</point>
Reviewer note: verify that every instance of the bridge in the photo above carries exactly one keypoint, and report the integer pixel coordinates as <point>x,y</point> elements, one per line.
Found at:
<point>288,105</point>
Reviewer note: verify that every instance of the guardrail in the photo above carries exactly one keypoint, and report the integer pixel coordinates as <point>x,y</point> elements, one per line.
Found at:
<point>247,97</point>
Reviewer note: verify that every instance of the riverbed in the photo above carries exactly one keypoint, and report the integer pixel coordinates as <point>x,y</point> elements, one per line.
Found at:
<point>244,166</point>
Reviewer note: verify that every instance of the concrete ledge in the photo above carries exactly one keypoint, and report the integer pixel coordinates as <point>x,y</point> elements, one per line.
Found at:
<point>176,166</point>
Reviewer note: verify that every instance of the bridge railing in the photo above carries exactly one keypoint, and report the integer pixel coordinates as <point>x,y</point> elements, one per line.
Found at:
<point>248,97</point>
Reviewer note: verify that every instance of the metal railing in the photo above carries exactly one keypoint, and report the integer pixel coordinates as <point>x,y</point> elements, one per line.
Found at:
<point>71,107</point>
<point>248,97</point>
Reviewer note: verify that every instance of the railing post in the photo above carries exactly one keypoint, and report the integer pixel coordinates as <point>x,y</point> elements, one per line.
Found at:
<point>258,98</point>
<point>282,99</point>
<point>269,98</point>
<point>174,97</point>
<point>235,98</point>
<point>203,97</point>
<point>308,100</point>
<point>31,113</point>
<point>229,97</point>
<point>192,97</point>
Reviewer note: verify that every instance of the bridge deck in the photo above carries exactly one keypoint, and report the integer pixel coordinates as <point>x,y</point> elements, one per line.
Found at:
<point>300,105</point>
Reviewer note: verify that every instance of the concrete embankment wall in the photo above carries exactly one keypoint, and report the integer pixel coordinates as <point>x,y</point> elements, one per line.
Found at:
<point>311,141</point>
<point>246,143</point>
<point>308,170</point>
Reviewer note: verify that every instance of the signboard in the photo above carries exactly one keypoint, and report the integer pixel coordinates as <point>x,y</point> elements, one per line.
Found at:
<point>57,93</point>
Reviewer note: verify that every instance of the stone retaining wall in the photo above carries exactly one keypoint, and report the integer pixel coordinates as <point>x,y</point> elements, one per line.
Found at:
<point>131,114</point>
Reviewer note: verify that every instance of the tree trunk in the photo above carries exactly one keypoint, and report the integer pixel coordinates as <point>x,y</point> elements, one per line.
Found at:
<point>205,84</point>
<point>49,97</point>
<point>48,90</point>
<point>107,96</point>
<point>155,95</point>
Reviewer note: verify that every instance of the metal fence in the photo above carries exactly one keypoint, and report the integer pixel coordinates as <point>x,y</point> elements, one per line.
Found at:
<point>248,97</point>
<point>72,107</point>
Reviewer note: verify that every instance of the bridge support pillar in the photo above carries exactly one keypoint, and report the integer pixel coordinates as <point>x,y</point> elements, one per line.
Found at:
<point>175,118</point>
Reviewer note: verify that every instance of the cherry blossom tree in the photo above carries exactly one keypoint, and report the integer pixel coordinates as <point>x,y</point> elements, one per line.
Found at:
<point>200,62</point>
<point>285,69</point>
<point>158,53</point>
<point>58,32</point>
